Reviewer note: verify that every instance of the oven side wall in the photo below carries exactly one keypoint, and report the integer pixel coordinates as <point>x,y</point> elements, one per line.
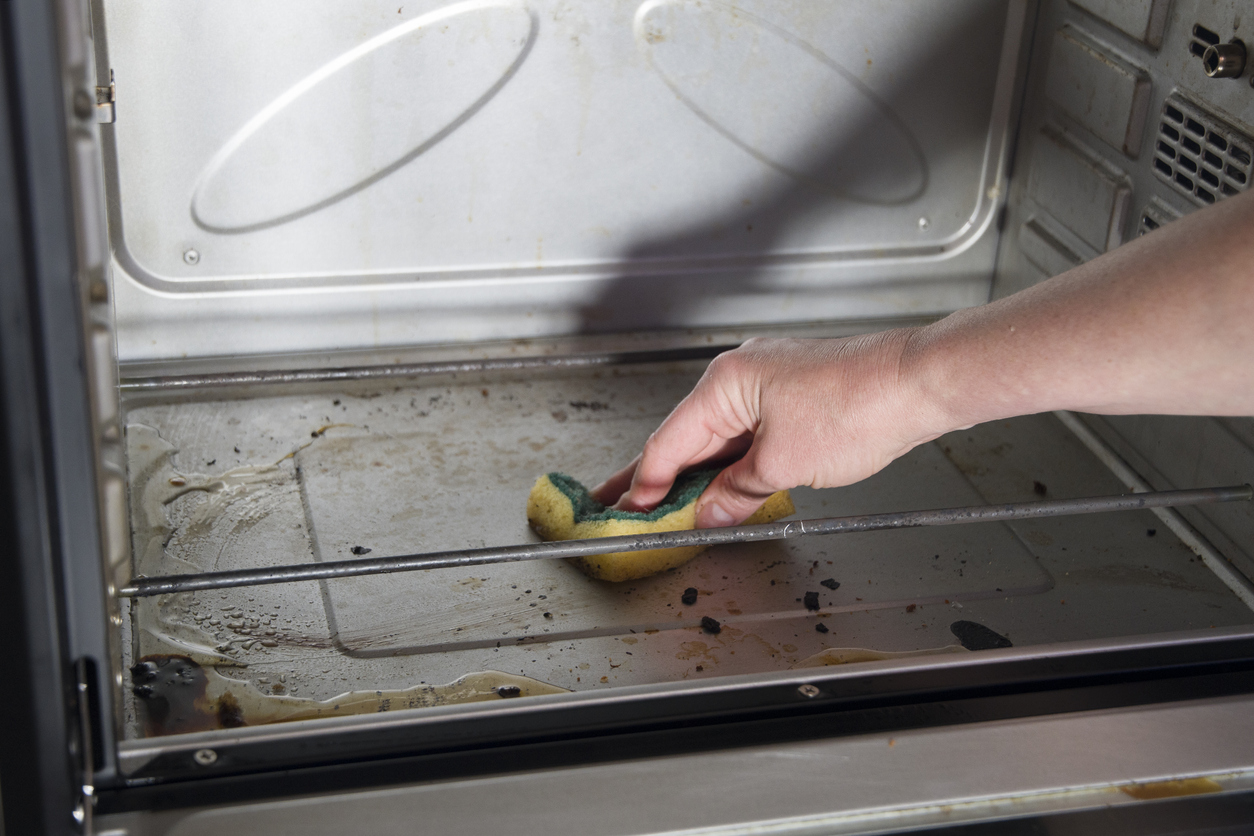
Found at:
<point>1097,164</point>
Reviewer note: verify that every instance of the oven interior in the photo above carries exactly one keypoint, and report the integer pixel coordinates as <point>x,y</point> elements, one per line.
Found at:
<point>371,270</point>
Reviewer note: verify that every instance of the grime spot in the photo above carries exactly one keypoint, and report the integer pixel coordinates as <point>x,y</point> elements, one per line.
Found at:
<point>230,715</point>
<point>975,636</point>
<point>1171,789</point>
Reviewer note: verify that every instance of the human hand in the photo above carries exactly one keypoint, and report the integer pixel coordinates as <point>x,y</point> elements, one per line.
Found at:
<point>822,413</point>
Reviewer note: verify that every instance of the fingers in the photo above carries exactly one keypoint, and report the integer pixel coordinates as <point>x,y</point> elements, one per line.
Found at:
<point>737,492</point>
<point>609,491</point>
<point>683,440</point>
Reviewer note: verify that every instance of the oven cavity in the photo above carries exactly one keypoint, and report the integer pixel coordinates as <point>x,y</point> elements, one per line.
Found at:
<point>1199,155</point>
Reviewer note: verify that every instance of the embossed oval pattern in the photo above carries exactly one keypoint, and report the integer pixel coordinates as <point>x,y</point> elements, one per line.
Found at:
<point>363,115</point>
<point>782,100</point>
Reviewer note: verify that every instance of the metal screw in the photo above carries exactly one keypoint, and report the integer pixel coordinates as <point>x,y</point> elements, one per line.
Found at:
<point>205,757</point>
<point>808,691</point>
<point>924,223</point>
<point>191,257</point>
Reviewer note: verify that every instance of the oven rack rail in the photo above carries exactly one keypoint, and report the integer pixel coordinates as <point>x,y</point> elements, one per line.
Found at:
<point>141,587</point>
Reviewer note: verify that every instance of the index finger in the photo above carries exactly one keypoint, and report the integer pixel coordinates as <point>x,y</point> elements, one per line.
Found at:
<point>698,430</point>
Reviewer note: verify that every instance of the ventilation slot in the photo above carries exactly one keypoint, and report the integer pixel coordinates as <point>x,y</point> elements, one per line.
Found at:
<point>1155,214</point>
<point>1199,155</point>
<point>1202,38</point>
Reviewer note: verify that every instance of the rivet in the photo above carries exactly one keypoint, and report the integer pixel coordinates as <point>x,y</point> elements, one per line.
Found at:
<point>808,691</point>
<point>191,257</point>
<point>205,757</point>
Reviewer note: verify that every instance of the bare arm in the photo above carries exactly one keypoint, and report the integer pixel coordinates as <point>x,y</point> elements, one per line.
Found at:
<point>1164,324</point>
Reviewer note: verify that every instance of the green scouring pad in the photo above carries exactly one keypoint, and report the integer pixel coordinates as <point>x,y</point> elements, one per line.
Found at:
<point>560,508</point>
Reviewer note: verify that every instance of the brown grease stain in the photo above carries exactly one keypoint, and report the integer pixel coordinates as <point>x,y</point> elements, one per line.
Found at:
<point>175,695</point>
<point>1171,789</point>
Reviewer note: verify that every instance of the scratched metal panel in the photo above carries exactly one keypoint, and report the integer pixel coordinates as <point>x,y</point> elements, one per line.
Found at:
<point>492,169</point>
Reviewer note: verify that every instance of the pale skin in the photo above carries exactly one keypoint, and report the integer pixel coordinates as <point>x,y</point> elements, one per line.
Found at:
<point>1162,325</point>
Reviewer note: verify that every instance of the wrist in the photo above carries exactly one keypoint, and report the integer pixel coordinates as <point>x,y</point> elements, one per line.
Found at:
<point>928,376</point>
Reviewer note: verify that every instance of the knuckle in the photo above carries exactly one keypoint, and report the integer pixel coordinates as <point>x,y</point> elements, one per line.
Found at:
<point>772,473</point>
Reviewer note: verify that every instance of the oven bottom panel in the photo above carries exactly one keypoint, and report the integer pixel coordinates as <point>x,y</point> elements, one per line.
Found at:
<point>447,463</point>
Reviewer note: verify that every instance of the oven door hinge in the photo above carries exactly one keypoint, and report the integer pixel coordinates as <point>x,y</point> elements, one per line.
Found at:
<point>83,740</point>
<point>105,98</point>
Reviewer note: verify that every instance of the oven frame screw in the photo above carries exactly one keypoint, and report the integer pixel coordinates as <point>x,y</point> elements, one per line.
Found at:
<point>191,257</point>
<point>808,691</point>
<point>205,757</point>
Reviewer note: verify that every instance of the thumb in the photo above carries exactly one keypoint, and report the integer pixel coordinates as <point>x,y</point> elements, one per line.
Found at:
<point>735,494</point>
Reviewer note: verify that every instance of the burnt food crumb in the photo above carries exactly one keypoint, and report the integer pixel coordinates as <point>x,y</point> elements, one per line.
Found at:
<point>690,595</point>
<point>1039,488</point>
<point>1150,532</point>
<point>820,627</point>
<point>812,600</point>
<point>975,636</point>
<point>830,583</point>
<point>709,625</point>
<point>508,691</point>
<point>359,550</point>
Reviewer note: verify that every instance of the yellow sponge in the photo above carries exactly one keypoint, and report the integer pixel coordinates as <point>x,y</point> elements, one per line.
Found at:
<point>560,508</point>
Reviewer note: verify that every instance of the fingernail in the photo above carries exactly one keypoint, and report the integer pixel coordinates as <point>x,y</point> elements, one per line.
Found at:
<point>713,516</point>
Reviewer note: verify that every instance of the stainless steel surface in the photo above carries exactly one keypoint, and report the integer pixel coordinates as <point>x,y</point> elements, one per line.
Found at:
<point>138,753</point>
<point>350,187</point>
<point>1109,94</point>
<point>402,371</point>
<point>1227,568</point>
<point>866,784</point>
<point>466,558</point>
<point>1224,60</point>
<point>438,462</point>
<point>1121,75</point>
<point>1143,20</point>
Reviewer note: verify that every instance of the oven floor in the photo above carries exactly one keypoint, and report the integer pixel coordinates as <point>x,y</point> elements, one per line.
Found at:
<point>448,464</point>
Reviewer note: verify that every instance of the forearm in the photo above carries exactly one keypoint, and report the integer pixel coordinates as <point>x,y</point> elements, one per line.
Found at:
<point>1164,324</point>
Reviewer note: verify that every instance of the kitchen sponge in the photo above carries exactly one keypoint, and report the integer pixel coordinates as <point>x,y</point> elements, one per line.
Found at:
<point>560,508</point>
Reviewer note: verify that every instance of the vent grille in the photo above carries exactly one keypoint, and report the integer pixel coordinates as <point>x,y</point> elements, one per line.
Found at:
<point>1199,155</point>
<point>1156,214</point>
<point>1202,38</point>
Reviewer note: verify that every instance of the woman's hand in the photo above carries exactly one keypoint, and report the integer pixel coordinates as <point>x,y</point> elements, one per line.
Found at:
<point>822,413</point>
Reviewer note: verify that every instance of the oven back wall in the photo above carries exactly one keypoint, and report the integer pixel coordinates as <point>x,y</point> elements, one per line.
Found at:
<point>311,176</point>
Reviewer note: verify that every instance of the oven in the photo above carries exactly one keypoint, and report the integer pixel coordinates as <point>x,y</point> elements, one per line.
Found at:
<point>302,293</point>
